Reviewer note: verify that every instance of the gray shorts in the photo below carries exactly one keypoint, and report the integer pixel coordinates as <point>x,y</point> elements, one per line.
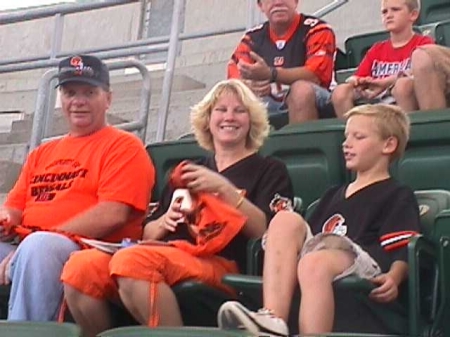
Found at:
<point>364,265</point>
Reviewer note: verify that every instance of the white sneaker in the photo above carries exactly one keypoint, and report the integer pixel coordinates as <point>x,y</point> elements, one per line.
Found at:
<point>233,315</point>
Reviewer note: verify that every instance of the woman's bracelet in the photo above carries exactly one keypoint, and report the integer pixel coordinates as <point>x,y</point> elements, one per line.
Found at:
<point>241,200</point>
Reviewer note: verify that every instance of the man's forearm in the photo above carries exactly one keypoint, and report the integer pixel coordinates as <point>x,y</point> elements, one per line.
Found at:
<point>100,220</point>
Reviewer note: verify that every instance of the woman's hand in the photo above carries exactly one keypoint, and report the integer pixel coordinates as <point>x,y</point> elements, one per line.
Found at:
<point>170,220</point>
<point>201,179</point>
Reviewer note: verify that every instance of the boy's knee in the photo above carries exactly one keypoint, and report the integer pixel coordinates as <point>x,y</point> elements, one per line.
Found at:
<point>342,92</point>
<point>323,265</point>
<point>421,61</point>
<point>404,87</point>
<point>287,223</point>
<point>311,267</point>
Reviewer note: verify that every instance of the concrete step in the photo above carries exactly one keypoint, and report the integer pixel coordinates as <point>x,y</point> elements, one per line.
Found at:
<point>24,99</point>
<point>124,110</point>
<point>11,160</point>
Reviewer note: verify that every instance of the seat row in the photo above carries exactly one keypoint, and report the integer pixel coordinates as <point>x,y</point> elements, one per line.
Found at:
<point>312,153</point>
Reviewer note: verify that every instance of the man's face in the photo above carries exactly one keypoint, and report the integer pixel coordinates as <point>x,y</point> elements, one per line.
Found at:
<point>85,107</point>
<point>279,11</point>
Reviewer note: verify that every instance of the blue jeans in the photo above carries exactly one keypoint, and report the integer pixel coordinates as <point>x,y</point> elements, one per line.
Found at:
<point>323,97</point>
<point>36,291</point>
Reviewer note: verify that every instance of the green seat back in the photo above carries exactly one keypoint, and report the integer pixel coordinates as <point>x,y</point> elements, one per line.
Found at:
<point>343,74</point>
<point>38,329</point>
<point>166,155</point>
<point>431,203</point>
<point>311,208</point>
<point>357,46</point>
<point>312,153</point>
<point>442,244</point>
<point>199,303</point>
<point>426,162</point>
<point>433,11</point>
<point>442,33</point>
<point>340,61</point>
<point>141,331</point>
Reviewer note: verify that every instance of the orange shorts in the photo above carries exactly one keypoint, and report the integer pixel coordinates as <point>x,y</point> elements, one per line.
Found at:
<point>92,272</point>
<point>87,271</point>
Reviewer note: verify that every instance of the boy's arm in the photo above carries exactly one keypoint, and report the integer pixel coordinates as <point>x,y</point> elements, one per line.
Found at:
<point>389,282</point>
<point>376,86</point>
<point>400,223</point>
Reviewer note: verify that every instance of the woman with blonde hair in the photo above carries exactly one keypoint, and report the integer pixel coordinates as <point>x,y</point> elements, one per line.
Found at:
<point>231,122</point>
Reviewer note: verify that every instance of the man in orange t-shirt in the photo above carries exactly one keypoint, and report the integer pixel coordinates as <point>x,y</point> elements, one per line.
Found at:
<point>95,182</point>
<point>288,61</point>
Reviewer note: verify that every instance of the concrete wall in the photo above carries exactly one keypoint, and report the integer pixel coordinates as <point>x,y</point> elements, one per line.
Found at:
<point>97,28</point>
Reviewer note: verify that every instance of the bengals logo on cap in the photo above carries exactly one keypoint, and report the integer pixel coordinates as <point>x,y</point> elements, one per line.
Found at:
<point>77,62</point>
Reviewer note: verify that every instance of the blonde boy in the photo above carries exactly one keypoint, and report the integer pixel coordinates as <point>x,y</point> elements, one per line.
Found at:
<point>374,80</point>
<point>359,228</point>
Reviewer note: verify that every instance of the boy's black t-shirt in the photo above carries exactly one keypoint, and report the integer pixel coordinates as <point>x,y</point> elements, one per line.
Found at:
<point>380,218</point>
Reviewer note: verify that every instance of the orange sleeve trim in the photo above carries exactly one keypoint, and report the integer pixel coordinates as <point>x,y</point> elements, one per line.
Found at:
<point>396,240</point>
<point>242,52</point>
<point>320,51</point>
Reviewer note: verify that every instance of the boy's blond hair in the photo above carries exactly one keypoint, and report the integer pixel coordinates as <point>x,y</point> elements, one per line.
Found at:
<point>413,5</point>
<point>391,121</point>
<point>259,120</point>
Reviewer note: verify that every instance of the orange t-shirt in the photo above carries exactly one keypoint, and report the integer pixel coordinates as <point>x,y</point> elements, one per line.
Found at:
<point>65,177</point>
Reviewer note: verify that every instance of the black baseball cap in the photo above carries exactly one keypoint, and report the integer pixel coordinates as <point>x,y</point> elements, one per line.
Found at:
<point>83,69</point>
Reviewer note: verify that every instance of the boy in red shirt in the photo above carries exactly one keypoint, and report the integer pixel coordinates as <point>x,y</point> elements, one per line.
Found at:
<point>385,62</point>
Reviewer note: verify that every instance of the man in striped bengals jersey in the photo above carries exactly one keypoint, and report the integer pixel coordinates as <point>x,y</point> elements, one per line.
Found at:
<point>288,60</point>
<point>360,228</point>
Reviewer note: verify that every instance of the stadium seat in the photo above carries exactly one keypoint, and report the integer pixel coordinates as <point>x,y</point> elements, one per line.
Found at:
<point>38,329</point>
<point>312,153</point>
<point>141,331</point>
<point>343,74</point>
<point>357,46</point>
<point>433,11</point>
<point>437,248</point>
<point>166,155</point>
<point>341,61</point>
<point>442,33</point>
<point>425,164</point>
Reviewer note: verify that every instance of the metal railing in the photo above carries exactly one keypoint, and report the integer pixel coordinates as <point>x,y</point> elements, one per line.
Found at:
<point>41,112</point>
<point>57,11</point>
<point>145,46</point>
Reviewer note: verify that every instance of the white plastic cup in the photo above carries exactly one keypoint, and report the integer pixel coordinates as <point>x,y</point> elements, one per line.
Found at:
<point>186,201</point>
